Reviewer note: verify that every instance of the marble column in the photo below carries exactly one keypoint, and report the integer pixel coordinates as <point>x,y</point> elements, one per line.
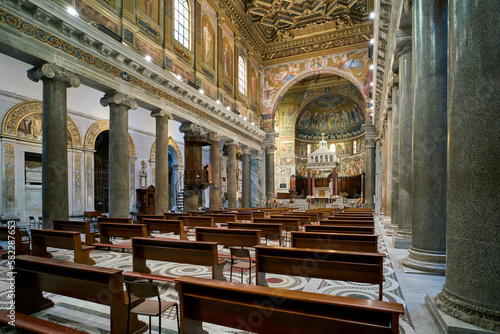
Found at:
<point>395,160</point>
<point>255,179</point>
<point>161,168</point>
<point>404,54</point>
<point>119,105</point>
<point>214,139</point>
<point>245,184</point>
<point>430,38</point>
<point>54,142</point>
<point>471,291</point>
<point>232,175</point>
<point>270,191</point>
<point>370,138</point>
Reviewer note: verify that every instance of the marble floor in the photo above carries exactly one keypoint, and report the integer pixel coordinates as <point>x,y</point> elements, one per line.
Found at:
<point>406,288</point>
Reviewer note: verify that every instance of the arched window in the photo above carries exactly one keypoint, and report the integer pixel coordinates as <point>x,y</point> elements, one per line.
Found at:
<point>308,149</point>
<point>332,147</point>
<point>181,22</point>
<point>242,76</point>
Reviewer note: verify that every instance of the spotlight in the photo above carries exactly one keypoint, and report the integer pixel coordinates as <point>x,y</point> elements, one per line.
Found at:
<point>218,101</point>
<point>202,91</point>
<point>228,108</point>
<point>148,58</point>
<point>72,11</point>
<point>244,118</point>
<point>372,67</point>
<point>372,15</point>
<point>179,77</point>
<point>371,84</point>
<point>372,41</point>
<point>253,123</point>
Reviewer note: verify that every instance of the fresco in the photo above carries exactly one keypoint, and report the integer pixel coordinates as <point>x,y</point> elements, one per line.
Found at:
<point>286,149</point>
<point>353,165</point>
<point>150,8</point>
<point>208,42</point>
<point>275,77</point>
<point>30,127</point>
<point>227,61</point>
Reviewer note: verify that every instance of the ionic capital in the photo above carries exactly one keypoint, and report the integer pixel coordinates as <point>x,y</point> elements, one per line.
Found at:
<point>119,99</point>
<point>214,136</point>
<point>190,129</point>
<point>162,113</point>
<point>51,71</point>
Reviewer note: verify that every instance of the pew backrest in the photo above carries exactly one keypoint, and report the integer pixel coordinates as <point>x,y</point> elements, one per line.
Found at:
<point>81,226</point>
<point>141,217</point>
<point>195,221</point>
<point>287,222</point>
<point>9,234</point>
<point>114,220</point>
<point>121,230</point>
<point>229,237</point>
<point>336,241</point>
<point>344,228</point>
<point>364,222</point>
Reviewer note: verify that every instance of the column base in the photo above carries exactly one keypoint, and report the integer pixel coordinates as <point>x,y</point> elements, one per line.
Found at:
<point>424,261</point>
<point>392,229</point>
<point>386,221</point>
<point>449,324</point>
<point>401,242</point>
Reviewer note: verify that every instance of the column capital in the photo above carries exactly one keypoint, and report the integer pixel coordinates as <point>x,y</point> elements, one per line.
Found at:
<point>395,80</point>
<point>162,113</point>
<point>270,139</point>
<point>51,71</point>
<point>214,136</point>
<point>231,142</point>
<point>118,98</point>
<point>270,149</point>
<point>403,42</point>
<point>256,154</point>
<point>220,19</point>
<point>244,149</point>
<point>191,129</point>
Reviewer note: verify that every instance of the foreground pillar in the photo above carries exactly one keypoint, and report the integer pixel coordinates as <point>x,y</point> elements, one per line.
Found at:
<point>255,179</point>
<point>395,160</point>
<point>245,184</point>
<point>270,191</point>
<point>119,105</point>
<point>54,141</point>
<point>370,138</point>
<point>428,245</point>
<point>161,168</point>
<point>232,176</point>
<point>471,291</point>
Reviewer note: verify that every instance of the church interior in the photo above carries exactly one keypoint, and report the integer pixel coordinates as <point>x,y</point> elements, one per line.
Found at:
<point>249,166</point>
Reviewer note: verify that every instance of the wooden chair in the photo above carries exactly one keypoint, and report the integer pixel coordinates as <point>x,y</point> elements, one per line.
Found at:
<point>151,308</point>
<point>32,222</point>
<point>241,253</point>
<point>40,222</point>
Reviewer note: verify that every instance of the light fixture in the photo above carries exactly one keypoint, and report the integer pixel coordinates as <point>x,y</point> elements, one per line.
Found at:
<point>179,77</point>
<point>148,58</point>
<point>372,67</point>
<point>72,11</point>
<point>202,91</point>
<point>253,123</point>
<point>371,84</point>
<point>372,15</point>
<point>228,108</point>
<point>244,118</point>
<point>218,101</point>
<point>372,41</point>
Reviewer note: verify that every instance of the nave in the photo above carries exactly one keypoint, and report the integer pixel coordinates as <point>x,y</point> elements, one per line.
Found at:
<point>93,318</point>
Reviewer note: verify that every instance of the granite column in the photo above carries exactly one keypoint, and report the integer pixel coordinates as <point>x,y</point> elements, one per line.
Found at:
<point>54,142</point>
<point>245,165</point>
<point>255,179</point>
<point>471,291</point>
<point>215,138</point>
<point>430,40</point>
<point>161,168</point>
<point>370,138</point>
<point>395,160</point>
<point>119,105</point>
<point>232,175</point>
<point>270,191</point>
<point>404,54</point>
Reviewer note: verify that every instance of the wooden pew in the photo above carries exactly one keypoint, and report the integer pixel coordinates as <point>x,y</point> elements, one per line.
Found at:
<point>175,215</point>
<point>288,223</point>
<point>41,239</point>
<point>229,237</point>
<point>90,214</point>
<point>303,218</point>
<point>258,214</point>
<point>181,251</point>
<point>352,216</point>
<point>82,226</point>
<point>267,310</point>
<point>266,229</point>
<point>20,246</point>
<point>340,229</point>
<point>195,221</point>
<point>196,213</point>
<point>313,216</point>
<point>114,220</point>
<point>347,222</point>
<point>37,325</point>
<point>318,263</point>
<point>222,218</point>
<point>244,216</point>
<point>88,283</point>
<point>358,210</point>
<point>120,230</point>
<point>336,241</point>
<point>141,217</point>
<point>166,226</point>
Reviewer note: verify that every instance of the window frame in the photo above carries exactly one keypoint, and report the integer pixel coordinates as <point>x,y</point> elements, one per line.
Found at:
<point>182,23</point>
<point>242,80</point>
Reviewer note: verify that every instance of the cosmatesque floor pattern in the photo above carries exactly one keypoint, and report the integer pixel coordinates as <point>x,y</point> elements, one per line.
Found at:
<point>94,318</point>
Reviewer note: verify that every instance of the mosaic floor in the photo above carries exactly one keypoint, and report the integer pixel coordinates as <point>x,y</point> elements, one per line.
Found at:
<point>94,318</point>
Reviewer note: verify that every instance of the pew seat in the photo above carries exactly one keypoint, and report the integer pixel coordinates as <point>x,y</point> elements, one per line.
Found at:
<point>41,239</point>
<point>36,325</point>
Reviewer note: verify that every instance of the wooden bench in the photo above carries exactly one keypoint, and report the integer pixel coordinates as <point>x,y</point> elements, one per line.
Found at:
<point>114,220</point>
<point>41,239</point>
<point>195,221</point>
<point>222,218</point>
<point>36,325</point>
<point>265,310</point>
<point>336,241</point>
<point>141,217</point>
<point>120,230</point>
<point>166,226</point>
<point>340,229</point>
<point>303,218</point>
<point>89,283</point>
<point>229,237</point>
<point>266,229</point>
<point>311,216</point>
<point>358,210</point>
<point>352,216</point>
<point>288,223</point>
<point>320,263</point>
<point>347,222</point>
<point>82,226</point>
<point>90,214</point>
<point>175,215</point>
<point>181,251</point>
<point>20,246</point>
